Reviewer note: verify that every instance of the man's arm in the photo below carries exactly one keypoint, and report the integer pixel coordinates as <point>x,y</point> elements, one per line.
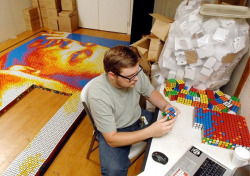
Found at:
<point>157,129</point>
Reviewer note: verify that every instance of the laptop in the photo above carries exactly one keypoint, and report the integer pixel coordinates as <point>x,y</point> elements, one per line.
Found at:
<point>196,163</point>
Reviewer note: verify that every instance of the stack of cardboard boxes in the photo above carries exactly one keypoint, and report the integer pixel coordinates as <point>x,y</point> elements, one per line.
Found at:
<point>31,17</point>
<point>43,13</point>
<point>57,15</point>
<point>68,17</point>
<point>53,8</point>
<point>149,47</point>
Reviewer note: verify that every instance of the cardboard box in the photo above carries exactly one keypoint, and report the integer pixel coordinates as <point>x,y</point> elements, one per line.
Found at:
<point>35,3</point>
<point>53,24</point>
<point>68,5</point>
<point>52,13</point>
<point>45,23</point>
<point>30,13</point>
<point>33,25</point>
<point>54,4</point>
<point>68,21</point>
<point>150,45</point>
<point>44,13</point>
<point>142,45</point>
<point>42,3</point>
<point>161,26</point>
<point>155,49</point>
<point>143,61</point>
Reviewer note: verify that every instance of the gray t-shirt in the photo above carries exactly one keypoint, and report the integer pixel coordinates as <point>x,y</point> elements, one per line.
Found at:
<point>114,108</point>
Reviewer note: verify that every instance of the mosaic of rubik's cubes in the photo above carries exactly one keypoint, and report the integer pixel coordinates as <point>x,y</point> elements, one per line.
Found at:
<point>219,128</point>
<point>222,129</point>
<point>176,90</point>
<point>39,152</point>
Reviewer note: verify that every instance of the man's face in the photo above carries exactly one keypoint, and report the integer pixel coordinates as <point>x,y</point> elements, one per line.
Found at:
<point>128,77</point>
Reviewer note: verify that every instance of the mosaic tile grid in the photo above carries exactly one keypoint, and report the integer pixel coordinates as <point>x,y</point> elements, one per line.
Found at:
<point>58,62</point>
<point>39,149</point>
<point>222,129</point>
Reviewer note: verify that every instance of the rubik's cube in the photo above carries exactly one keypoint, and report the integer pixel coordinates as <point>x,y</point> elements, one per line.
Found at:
<point>170,113</point>
<point>181,98</point>
<point>204,101</point>
<point>196,101</point>
<point>167,90</point>
<point>210,94</point>
<point>188,100</point>
<point>171,83</point>
<point>222,129</point>
<point>180,84</point>
<point>218,94</point>
<point>184,91</point>
<point>235,104</point>
<point>172,95</point>
<point>192,89</point>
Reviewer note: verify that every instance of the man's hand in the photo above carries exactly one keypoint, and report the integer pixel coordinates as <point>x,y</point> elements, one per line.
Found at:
<point>161,127</point>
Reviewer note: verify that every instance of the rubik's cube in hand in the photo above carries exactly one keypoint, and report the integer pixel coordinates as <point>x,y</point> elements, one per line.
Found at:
<point>170,113</point>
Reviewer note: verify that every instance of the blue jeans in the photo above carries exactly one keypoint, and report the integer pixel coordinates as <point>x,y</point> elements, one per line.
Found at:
<point>114,160</point>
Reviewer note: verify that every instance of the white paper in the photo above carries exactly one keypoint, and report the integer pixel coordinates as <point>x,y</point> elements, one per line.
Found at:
<point>181,60</point>
<point>182,44</point>
<point>189,73</point>
<point>160,80</point>
<point>220,34</point>
<point>239,44</point>
<point>217,75</point>
<point>206,71</point>
<point>210,62</point>
<point>180,74</point>
<point>203,40</point>
<point>204,53</point>
<point>217,66</point>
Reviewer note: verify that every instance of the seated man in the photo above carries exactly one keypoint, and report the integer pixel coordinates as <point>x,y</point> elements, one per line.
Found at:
<point>114,102</point>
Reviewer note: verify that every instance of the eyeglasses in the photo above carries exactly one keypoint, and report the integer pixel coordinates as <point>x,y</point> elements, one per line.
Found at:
<point>131,77</point>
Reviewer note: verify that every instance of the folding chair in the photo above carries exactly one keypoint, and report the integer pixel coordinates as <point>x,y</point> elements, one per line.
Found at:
<point>136,149</point>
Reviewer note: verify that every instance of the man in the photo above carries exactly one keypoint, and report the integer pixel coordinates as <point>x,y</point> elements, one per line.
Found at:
<point>114,102</point>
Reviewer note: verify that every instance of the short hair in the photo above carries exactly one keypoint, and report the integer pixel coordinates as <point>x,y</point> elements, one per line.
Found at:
<point>119,57</point>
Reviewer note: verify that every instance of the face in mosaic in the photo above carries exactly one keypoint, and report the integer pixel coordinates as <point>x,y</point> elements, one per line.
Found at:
<point>57,63</point>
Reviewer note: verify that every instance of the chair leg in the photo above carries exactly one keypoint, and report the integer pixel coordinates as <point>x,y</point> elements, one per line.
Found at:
<point>91,146</point>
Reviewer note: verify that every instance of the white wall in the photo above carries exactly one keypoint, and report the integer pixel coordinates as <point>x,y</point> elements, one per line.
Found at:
<point>11,18</point>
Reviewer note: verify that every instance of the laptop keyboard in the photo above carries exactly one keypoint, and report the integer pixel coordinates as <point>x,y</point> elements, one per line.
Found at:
<point>210,168</point>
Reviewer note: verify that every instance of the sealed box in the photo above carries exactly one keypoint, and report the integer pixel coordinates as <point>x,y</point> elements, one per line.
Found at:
<point>52,13</point>
<point>34,3</point>
<point>42,3</point>
<point>53,24</point>
<point>30,13</point>
<point>45,23</point>
<point>68,4</point>
<point>68,21</point>
<point>33,25</point>
<point>53,4</point>
<point>161,26</point>
<point>44,12</point>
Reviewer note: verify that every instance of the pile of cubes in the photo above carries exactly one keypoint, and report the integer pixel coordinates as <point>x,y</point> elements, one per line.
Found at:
<point>176,90</point>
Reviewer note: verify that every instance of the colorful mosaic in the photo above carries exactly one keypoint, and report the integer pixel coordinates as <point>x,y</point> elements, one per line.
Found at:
<point>59,62</point>
<point>176,90</point>
<point>222,129</point>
